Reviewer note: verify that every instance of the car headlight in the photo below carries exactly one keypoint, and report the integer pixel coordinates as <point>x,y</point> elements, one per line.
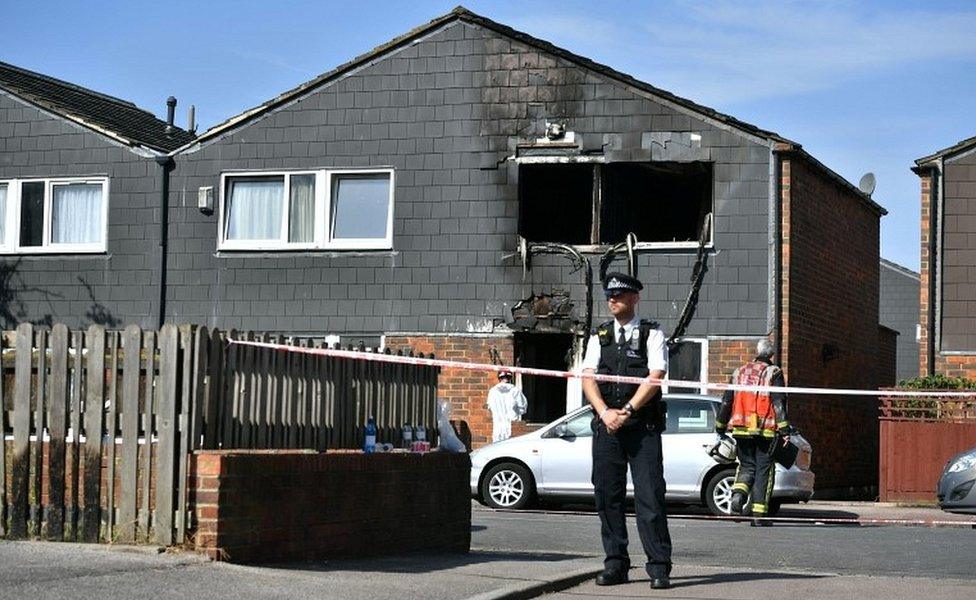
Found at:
<point>961,491</point>
<point>962,463</point>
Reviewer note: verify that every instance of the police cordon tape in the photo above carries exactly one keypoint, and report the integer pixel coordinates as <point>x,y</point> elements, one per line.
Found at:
<point>457,364</point>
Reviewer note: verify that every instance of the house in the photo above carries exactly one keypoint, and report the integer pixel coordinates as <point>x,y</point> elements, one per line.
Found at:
<point>898,311</point>
<point>80,203</point>
<point>455,190</point>
<point>947,314</point>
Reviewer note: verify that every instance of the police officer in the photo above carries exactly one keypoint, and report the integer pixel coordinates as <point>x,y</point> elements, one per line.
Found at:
<point>627,430</point>
<point>758,421</point>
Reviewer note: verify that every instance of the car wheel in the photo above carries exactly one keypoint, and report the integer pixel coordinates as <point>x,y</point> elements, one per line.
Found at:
<point>718,493</point>
<point>507,485</point>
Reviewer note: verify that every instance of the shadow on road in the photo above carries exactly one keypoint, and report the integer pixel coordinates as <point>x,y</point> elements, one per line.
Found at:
<point>424,563</point>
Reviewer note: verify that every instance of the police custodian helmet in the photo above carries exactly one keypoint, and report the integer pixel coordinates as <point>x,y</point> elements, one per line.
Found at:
<point>615,283</point>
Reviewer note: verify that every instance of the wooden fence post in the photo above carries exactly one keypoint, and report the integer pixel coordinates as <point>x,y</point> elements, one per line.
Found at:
<point>166,427</point>
<point>22,425</point>
<point>94,411</point>
<point>132,344</point>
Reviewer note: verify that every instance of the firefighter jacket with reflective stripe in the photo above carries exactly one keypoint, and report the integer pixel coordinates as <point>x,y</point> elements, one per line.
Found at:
<point>754,413</point>
<point>628,359</point>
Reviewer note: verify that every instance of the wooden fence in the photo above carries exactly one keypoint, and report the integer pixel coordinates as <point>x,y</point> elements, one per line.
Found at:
<point>263,398</point>
<point>917,437</point>
<point>97,425</point>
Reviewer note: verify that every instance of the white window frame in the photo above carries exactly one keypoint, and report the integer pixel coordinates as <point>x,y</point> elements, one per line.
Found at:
<point>323,239</point>
<point>11,242</point>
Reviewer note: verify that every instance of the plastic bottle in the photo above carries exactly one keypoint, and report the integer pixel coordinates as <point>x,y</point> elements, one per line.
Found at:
<point>369,446</point>
<point>421,433</point>
<point>407,435</point>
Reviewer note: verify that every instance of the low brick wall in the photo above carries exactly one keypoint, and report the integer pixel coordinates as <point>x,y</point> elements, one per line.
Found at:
<point>264,506</point>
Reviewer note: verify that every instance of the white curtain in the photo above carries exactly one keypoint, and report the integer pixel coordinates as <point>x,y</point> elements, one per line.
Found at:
<point>301,225</point>
<point>361,205</point>
<point>76,213</point>
<point>3,213</point>
<point>254,209</point>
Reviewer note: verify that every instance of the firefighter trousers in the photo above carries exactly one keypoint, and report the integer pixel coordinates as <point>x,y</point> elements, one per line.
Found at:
<point>756,473</point>
<point>638,445</point>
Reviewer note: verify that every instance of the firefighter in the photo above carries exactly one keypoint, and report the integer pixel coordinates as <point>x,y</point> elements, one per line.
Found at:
<point>758,421</point>
<point>627,431</point>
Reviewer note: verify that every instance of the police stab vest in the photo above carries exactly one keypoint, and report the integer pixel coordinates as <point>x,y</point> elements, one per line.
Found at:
<point>752,412</point>
<point>628,359</point>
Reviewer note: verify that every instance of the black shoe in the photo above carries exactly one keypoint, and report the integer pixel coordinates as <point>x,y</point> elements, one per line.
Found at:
<point>612,577</point>
<point>760,523</point>
<point>661,583</point>
<point>738,502</point>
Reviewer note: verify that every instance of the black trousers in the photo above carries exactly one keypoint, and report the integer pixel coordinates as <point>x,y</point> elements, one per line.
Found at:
<point>638,445</point>
<point>756,473</point>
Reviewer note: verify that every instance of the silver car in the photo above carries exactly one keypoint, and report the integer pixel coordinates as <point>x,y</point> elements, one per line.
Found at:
<point>955,491</point>
<point>555,461</point>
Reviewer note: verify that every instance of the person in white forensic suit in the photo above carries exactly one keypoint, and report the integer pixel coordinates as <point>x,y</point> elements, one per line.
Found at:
<point>507,403</point>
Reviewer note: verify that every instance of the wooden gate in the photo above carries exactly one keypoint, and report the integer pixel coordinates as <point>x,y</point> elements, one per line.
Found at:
<point>92,450</point>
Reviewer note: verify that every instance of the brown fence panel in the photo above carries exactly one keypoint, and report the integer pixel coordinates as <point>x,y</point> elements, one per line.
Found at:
<point>917,437</point>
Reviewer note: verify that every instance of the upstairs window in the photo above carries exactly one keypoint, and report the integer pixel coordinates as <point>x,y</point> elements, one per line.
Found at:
<point>307,210</point>
<point>663,203</point>
<point>63,215</point>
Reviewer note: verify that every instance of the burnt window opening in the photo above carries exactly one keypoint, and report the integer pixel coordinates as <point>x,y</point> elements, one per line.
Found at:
<point>584,204</point>
<point>546,395</point>
<point>556,203</point>
<point>659,202</point>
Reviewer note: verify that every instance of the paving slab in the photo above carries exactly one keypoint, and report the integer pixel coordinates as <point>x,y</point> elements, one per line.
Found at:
<point>709,583</point>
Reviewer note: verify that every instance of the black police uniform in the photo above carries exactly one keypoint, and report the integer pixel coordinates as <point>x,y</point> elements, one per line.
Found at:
<point>637,443</point>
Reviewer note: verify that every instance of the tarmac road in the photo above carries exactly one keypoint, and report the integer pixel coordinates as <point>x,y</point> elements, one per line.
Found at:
<point>848,550</point>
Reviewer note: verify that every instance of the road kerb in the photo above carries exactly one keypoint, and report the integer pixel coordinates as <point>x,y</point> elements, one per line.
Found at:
<point>536,587</point>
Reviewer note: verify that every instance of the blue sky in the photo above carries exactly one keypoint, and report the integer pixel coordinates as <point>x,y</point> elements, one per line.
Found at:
<point>863,86</point>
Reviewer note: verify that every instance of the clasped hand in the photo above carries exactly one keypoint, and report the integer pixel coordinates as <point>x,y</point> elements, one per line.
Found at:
<point>614,419</point>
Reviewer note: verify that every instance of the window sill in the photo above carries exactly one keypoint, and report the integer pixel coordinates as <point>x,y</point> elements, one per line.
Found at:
<point>323,253</point>
<point>55,253</point>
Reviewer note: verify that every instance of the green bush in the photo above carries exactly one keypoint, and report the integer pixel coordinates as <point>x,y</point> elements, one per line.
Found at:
<point>938,382</point>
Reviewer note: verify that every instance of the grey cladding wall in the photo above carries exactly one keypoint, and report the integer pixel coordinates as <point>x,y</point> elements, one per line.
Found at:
<point>111,289</point>
<point>899,306</point>
<point>445,112</point>
<point>958,294</point>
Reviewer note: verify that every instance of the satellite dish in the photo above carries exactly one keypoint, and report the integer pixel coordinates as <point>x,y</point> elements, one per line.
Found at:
<point>867,183</point>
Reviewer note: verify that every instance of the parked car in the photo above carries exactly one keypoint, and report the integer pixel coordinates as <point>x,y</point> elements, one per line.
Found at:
<point>554,462</point>
<point>955,491</point>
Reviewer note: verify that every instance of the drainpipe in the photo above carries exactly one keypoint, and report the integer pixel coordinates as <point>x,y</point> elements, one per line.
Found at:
<point>165,166</point>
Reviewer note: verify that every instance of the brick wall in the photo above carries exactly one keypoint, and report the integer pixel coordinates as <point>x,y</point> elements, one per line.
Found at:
<point>725,356</point>
<point>465,390</point>
<point>924,355</point>
<point>830,322</point>
<point>285,505</point>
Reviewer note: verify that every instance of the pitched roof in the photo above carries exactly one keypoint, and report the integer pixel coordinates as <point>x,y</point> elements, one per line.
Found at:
<point>953,149</point>
<point>119,119</point>
<point>462,14</point>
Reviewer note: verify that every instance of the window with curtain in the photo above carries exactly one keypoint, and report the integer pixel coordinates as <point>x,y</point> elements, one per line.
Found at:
<point>324,209</point>
<point>255,210</point>
<point>63,215</point>
<point>76,213</point>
